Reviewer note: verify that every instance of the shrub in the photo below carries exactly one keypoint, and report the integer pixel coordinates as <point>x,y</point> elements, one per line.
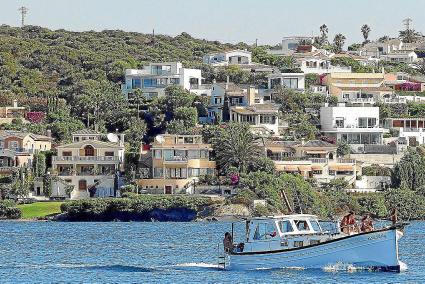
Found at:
<point>261,210</point>
<point>8,210</point>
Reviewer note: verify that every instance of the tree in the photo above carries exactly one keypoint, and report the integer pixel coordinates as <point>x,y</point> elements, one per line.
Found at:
<point>409,172</point>
<point>236,146</point>
<point>409,35</point>
<point>343,149</point>
<point>339,41</point>
<point>365,31</point>
<point>134,134</point>
<point>262,164</point>
<point>323,34</point>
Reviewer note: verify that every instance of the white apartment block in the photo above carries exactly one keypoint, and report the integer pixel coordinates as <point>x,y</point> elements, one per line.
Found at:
<point>263,118</point>
<point>355,125</point>
<point>154,78</point>
<point>316,65</point>
<point>295,81</point>
<point>290,44</point>
<point>237,57</point>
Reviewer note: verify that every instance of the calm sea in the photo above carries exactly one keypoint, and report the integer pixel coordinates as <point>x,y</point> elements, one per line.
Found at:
<point>38,252</point>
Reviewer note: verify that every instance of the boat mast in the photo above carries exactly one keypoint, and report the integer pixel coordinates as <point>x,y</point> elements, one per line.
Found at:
<point>285,198</point>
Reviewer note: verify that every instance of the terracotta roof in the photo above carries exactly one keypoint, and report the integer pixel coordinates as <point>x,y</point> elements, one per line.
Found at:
<point>318,143</point>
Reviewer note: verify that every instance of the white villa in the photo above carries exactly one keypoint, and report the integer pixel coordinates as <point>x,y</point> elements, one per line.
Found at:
<point>355,125</point>
<point>294,81</point>
<point>263,118</point>
<point>154,78</point>
<point>238,57</point>
<point>89,165</point>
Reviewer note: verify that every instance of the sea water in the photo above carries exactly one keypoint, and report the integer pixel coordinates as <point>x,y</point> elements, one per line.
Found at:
<point>52,252</point>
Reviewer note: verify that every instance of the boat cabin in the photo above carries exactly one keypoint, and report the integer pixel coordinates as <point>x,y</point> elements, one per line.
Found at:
<point>269,227</point>
<point>282,232</point>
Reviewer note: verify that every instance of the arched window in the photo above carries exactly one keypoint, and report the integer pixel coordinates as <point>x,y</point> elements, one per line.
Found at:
<point>82,184</point>
<point>88,150</point>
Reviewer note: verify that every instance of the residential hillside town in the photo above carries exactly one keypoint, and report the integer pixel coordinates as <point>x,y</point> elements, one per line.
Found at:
<point>153,125</point>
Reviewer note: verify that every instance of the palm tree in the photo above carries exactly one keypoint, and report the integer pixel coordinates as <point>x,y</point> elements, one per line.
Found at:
<point>236,146</point>
<point>339,41</point>
<point>323,34</point>
<point>365,31</point>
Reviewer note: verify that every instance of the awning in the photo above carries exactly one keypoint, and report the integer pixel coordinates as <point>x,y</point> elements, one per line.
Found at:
<point>291,168</point>
<point>304,168</point>
<point>316,168</point>
<point>341,168</point>
<point>317,151</point>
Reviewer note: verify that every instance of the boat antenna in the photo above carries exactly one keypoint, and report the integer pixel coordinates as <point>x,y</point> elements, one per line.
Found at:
<point>285,198</point>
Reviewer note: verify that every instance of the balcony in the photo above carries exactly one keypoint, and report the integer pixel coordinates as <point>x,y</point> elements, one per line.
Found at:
<point>86,158</point>
<point>175,159</point>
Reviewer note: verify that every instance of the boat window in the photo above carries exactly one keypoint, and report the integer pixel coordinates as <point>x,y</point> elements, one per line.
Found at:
<point>314,242</point>
<point>285,227</point>
<point>302,225</point>
<point>298,244</point>
<point>315,226</point>
<point>264,231</point>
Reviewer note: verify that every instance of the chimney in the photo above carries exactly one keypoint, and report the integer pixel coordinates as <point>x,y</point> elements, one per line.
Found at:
<point>15,103</point>
<point>251,95</point>
<point>227,81</point>
<point>96,127</point>
<point>49,133</point>
<point>302,141</point>
<point>122,140</point>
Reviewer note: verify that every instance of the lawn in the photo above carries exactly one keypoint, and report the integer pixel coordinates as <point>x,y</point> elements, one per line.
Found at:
<point>39,209</point>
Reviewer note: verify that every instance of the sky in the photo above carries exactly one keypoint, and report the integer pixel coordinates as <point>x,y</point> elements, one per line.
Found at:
<point>223,20</point>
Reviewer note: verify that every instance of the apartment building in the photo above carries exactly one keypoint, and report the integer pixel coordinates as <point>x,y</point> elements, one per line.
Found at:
<point>338,81</point>
<point>313,159</point>
<point>17,149</point>
<point>231,57</point>
<point>89,166</point>
<point>320,65</point>
<point>177,163</point>
<point>295,81</point>
<point>355,125</point>
<point>289,45</point>
<point>154,78</point>
<point>412,129</point>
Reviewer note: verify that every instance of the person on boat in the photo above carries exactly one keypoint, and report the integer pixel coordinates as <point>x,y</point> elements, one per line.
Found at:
<point>394,218</point>
<point>348,223</point>
<point>367,223</point>
<point>228,242</point>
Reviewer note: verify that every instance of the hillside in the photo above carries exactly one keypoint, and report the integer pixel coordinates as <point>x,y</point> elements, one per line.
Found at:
<point>75,77</point>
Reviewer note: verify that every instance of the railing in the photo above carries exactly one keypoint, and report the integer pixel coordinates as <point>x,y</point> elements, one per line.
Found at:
<point>345,161</point>
<point>175,159</point>
<point>319,160</point>
<point>86,158</point>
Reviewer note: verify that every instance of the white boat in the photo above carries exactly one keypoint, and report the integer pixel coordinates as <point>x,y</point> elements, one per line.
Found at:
<point>298,240</point>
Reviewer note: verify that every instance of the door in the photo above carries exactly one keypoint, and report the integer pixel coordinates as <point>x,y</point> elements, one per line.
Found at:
<point>168,189</point>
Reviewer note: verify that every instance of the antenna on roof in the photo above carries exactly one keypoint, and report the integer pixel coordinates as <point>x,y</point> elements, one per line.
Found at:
<point>24,11</point>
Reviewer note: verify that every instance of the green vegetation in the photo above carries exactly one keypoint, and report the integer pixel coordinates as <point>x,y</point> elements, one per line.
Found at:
<point>376,170</point>
<point>8,210</point>
<point>137,208</point>
<point>39,209</point>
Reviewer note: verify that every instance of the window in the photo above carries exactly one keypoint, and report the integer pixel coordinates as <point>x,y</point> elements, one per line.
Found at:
<point>13,145</point>
<point>88,150</point>
<point>267,119</point>
<point>1,144</point>
<point>291,83</point>
<point>136,84</point>
<point>339,121</point>
<point>264,231</point>
<point>302,225</point>
<point>82,184</point>
<point>315,226</point>
<point>217,100</point>
<point>285,226</point>
<point>157,154</point>
<point>298,244</point>
<point>194,154</point>
<point>67,153</point>
<point>158,172</point>
<point>174,81</point>
<point>109,154</point>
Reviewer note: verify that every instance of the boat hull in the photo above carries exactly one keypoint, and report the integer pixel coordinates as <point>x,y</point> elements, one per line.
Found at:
<point>376,250</point>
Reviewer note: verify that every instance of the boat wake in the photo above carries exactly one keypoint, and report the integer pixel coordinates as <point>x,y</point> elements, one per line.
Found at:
<point>198,265</point>
<point>403,266</point>
<point>346,267</point>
